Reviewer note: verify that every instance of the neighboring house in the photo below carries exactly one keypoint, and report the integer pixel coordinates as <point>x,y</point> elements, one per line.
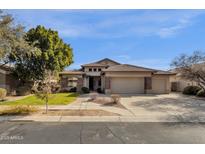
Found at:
<point>113,77</point>
<point>178,84</point>
<point>6,79</point>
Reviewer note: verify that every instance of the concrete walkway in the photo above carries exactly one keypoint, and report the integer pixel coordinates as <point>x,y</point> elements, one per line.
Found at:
<point>15,98</point>
<point>83,103</point>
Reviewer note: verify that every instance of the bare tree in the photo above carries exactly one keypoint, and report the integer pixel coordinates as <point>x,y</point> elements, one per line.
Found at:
<point>43,88</point>
<point>191,67</point>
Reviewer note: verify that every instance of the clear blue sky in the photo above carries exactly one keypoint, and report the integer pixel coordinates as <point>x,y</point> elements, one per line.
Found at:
<point>150,38</point>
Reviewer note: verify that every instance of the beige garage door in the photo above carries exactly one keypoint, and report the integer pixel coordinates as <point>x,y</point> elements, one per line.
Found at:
<point>127,85</point>
<point>158,85</point>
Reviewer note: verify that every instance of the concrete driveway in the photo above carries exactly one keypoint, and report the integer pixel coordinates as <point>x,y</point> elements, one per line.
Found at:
<point>168,107</point>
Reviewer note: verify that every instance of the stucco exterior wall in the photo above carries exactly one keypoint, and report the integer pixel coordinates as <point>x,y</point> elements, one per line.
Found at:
<point>102,83</point>
<point>86,68</point>
<point>93,73</point>
<point>86,81</point>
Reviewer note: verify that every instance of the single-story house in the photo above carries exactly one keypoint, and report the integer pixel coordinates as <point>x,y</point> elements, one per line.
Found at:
<point>115,78</point>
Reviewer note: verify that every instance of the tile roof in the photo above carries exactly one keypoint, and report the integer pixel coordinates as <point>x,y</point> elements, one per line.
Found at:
<point>160,72</point>
<point>94,64</point>
<point>107,59</point>
<point>128,68</point>
<point>133,68</point>
<point>98,63</point>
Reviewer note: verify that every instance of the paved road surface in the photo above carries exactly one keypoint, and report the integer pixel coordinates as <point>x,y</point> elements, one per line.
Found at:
<point>42,132</point>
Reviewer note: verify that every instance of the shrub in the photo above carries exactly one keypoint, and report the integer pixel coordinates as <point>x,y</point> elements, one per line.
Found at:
<point>115,98</point>
<point>99,90</point>
<point>201,93</point>
<point>3,93</point>
<point>191,90</point>
<point>85,90</point>
<point>74,89</point>
<point>23,90</point>
<point>18,110</point>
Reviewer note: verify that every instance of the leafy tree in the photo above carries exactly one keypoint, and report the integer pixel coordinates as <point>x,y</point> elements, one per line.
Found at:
<point>12,42</point>
<point>55,54</point>
<point>52,55</point>
<point>31,53</point>
<point>191,67</point>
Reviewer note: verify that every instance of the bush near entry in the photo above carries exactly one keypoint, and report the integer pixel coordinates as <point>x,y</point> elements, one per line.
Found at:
<point>201,93</point>
<point>73,89</point>
<point>99,90</point>
<point>191,90</point>
<point>85,90</point>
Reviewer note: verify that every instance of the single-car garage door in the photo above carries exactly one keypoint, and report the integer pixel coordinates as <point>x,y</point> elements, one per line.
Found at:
<point>127,85</point>
<point>159,85</point>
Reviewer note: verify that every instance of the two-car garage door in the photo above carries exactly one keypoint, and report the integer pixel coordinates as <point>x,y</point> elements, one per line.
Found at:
<point>131,85</point>
<point>126,85</point>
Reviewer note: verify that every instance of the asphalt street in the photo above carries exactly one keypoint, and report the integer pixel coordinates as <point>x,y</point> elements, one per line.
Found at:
<point>101,132</point>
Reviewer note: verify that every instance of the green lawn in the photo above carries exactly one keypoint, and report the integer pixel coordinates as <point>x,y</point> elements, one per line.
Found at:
<point>54,99</point>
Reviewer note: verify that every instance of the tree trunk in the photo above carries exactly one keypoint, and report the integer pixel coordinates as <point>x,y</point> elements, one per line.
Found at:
<point>46,106</point>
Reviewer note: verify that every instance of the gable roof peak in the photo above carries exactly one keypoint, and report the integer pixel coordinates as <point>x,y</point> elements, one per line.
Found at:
<point>100,62</point>
<point>107,59</point>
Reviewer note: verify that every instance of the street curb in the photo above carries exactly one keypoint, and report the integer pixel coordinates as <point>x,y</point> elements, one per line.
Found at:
<point>88,119</point>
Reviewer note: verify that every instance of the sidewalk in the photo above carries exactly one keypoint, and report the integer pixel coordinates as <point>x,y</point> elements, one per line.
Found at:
<point>139,118</point>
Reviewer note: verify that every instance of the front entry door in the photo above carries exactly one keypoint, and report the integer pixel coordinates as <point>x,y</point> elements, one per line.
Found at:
<point>91,83</point>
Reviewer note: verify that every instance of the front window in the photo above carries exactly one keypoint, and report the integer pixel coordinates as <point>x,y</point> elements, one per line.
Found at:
<point>99,69</point>
<point>95,69</point>
<point>72,82</point>
<point>90,69</point>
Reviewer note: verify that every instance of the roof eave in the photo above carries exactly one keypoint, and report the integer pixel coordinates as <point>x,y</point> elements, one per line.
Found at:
<point>126,71</point>
<point>71,73</point>
<point>165,73</point>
